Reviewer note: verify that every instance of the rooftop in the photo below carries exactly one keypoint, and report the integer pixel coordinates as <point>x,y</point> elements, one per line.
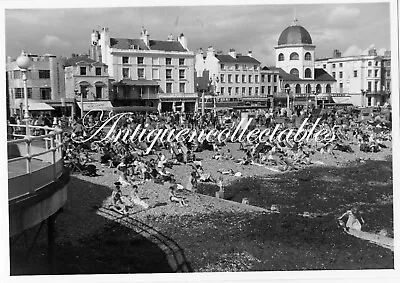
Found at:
<point>239,59</point>
<point>161,45</point>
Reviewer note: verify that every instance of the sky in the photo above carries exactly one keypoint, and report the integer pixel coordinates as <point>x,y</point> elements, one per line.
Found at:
<point>351,28</point>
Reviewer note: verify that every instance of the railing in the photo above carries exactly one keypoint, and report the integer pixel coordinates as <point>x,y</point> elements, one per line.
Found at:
<point>46,149</point>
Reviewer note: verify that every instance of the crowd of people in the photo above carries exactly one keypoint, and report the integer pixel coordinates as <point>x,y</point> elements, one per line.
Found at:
<point>136,166</point>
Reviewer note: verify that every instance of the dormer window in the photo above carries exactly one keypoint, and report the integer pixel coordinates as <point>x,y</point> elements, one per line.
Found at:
<point>82,71</point>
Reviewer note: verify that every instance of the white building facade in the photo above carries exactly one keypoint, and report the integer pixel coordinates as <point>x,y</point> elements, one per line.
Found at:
<point>155,73</point>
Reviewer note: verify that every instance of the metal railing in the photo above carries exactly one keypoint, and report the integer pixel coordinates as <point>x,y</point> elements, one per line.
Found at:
<point>44,148</point>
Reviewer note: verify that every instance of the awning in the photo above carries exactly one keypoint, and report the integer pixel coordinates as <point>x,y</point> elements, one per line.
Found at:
<point>137,82</point>
<point>39,106</point>
<point>342,100</point>
<point>96,105</point>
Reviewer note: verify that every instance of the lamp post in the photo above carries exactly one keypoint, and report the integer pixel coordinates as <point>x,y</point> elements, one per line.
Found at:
<point>24,62</point>
<point>287,99</point>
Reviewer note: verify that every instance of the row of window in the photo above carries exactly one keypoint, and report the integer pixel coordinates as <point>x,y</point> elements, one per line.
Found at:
<point>295,56</point>
<point>307,72</point>
<point>275,77</point>
<point>238,67</point>
<point>318,88</point>
<point>83,71</point>
<point>250,90</point>
<point>169,88</point>
<point>98,92</point>
<point>369,64</point>
<point>237,79</point>
<point>17,74</point>
<point>155,74</point>
<point>45,93</point>
<point>155,61</point>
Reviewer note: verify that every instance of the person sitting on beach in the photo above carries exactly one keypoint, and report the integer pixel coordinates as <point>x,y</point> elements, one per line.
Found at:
<point>175,197</point>
<point>354,220</point>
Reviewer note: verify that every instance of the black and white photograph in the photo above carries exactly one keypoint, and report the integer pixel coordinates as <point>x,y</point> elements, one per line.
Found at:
<point>238,141</point>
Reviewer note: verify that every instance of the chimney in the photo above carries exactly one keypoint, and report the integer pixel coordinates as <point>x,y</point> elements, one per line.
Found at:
<point>210,51</point>
<point>232,52</point>
<point>182,39</point>
<point>250,53</point>
<point>170,37</point>
<point>144,35</point>
<point>337,53</point>
<point>219,52</point>
<point>200,51</point>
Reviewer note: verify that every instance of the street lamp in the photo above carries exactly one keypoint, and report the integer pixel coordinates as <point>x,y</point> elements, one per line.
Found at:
<point>288,99</point>
<point>24,62</point>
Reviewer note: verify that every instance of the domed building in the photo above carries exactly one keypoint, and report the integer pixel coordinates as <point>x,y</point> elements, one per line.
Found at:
<point>295,61</point>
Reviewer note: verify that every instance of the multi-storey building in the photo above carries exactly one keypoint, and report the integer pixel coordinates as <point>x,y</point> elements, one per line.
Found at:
<point>269,84</point>
<point>300,78</point>
<point>363,78</point>
<point>88,79</point>
<point>235,74</point>
<point>157,73</point>
<point>45,85</point>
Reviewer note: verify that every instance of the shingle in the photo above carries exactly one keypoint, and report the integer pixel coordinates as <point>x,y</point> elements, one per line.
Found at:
<point>126,43</point>
<point>322,75</point>
<point>74,60</point>
<point>239,59</point>
<point>166,45</point>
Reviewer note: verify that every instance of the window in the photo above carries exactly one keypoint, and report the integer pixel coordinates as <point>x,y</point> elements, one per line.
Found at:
<point>237,78</point>
<point>333,65</point>
<point>369,86</point>
<point>275,89</point>
<point>255,68</point>
<point>181,74</point>
<point>222,78</point>
<point>181,61</point>
<point>369,101</point>
<point>328,88</point>
<point>243,90</point>
<point>19,93</point>
<point>230,90</point>
<point>168,61</point>
<point>45,93</point>
<point>281,57</point>
<point>140,60</point>
<point>376,73</point>
<point>250,79</point>
<point>318,88</point>
<point>340,65</point>
<point>369,73</point>
<point>222,90</point>
<point>237,90</point>
<point>243,78</point>
<point>388,86</point>
<point>99,91</point>
<point>45,74</point>
<point>82,71</point>
<point>275,78</point>
<point>307,73</point>
<point>250,90</point>
<point>140,73</point>
<point>125,60</point>
<point>269,78</point>
<point>182,87</point>
<point>341,87</point>
<point>340,74</point>
<point>155,73</point>
<point>294,56</point>
<point>256,90</point>
<point>168,74</point>
<point>168,88</point>
<point>17,74</point>
<point>236,67</point>
<point>83,91</point>
<point>98,71</point>
<point>388,63</point>
<point>294,72</point>
<point>388,73</point>
<point>307,56</point>
<point>355,73</point>
<point>334,75</point>
<point>262,78</point>
<point>369,63</point>
<point>324,66</point>
<point>376,63</point>
<point>156,61</point>
<point>269,89</point>
<point>256,79</point>
<point>376,86</point>
<point>222,67</point>
<point>229,78</point>
<point>263,89</point>
<point>125,73</point>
